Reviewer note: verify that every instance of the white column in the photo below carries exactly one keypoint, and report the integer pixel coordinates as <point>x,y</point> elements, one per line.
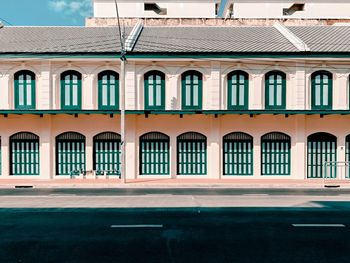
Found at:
<point>54,93</point>
<point>340,91</point>
<point>214,88</point>
<point>131,87</point>
<point>87,92</point>
<point>46,153</point>
<point>214,143</point>
<point>43,87</point>
<point>300,88</point>
<point>5,96</point>
<point>257,154</point>
<point>256,99</point>
<point>89,152</point>
<point>5,157</point>
<point>299,149</point>
<point>131,147</point>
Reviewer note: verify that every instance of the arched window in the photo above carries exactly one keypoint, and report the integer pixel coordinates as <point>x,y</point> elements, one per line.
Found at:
<point>275,90</point>
<point>321,148</point>
<point>71,90</point>
<point>192,90</point>
<point>70,153</point>
<point>25,90</point>
<point>275,154</point>
<point>24,154</point>
<point>108,90</point>
<point>238,90</point>
<point>321,90</point>
<point>107,153</point>
<point>154,154</point>
<point>238,154</point>
<point>191,154</point>
<point>155,90</point>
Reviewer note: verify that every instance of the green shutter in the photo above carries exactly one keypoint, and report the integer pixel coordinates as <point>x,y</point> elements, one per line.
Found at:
<point>321,148</point>
<point>347,155</point>
<point>192,90</point>
<point>238,154</point>
<point>275,154</point>
<point>238,90</point>
<point>275,90</point>
<point>70,153</point>
<point>154,154</point>
<point>107,153</point>
<point>154,90</point>
<point>71,90</point>
<point>108,90</point>
<point>24,154</point>
<point>321,90</point>
<point>192,154</point>
<point>25,98</point>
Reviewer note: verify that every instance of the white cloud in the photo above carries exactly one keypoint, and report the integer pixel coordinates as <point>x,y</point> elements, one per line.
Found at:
<point>82,8</point>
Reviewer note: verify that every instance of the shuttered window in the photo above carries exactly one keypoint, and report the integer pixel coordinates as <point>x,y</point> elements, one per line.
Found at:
<point>275,154</point>
<point>108,90</point>
<point>24,90</point>
<point>71,90</point>
<point>192,154</point>
<point>321,148</point>
<point>24,154</point>
<point>154,154</point>
<point>192,90</point>
<point>70,153</point>
<point>107,153</point>
<point>238,88</point>
<point>275,90</point>
<point>347,155</point>
<point>155,90</point>
<point>321,89</point>
<point>238,154</point>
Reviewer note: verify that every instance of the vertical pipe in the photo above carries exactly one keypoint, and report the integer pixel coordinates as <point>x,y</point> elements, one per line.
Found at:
<point>122,120</point>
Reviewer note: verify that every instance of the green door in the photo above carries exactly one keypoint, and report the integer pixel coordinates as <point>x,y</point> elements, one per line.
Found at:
<point>347,156</point>
<point>238,154</point>
<point>275,154</point>
<point>70,153</point>
<point>107,153</point>
<point>192,154</point>
<point>154,154</point>
<point>24,154</point>
<point>321,148</point>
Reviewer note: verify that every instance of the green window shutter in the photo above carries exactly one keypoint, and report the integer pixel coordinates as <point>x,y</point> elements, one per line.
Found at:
<point>275,90</point>
<point>154,82</point>
<point>70,153</point>
<point>71,94</point>
<point>107,153</point>
<point>192,154</point>
<point>192,90</point>
<point>154,154</point>
<point>347,156</point>
<point>108,90</point>
<point>25,98</point>
<point>24,154</point>
<point>321,148</point>
<point>238,90</point>
<point>321,90</point>
<point>275,154</point>
<point>238,154</point>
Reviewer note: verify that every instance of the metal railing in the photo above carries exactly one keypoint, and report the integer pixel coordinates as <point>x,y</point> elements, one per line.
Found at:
<point>339,171</point>
<point>94,173</point>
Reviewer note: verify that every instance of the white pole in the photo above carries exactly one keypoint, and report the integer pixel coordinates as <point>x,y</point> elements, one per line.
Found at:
<point>122,114</point>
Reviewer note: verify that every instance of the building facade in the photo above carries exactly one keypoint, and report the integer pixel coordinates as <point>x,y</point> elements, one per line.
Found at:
<point>269,103</point>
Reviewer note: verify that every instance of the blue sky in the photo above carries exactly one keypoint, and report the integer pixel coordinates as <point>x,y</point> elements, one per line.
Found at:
<point>45,12</point>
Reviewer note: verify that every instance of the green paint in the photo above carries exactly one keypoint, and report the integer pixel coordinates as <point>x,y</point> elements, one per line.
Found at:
<point>238,90</point>
<point>108,90</point>
<point>321,90</point>
<point>192,90</point>
<point>275,90</point>
<point>24,92</point>
<point>154,82</point>
<point>71,90</point>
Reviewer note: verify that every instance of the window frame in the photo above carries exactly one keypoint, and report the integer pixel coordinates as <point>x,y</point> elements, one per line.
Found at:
<point>275,73</point>
<point>100,84</point>
<point>147,75</point>
<point>322,73</point>
<point>230,89</point>
<point>192,73</point>
<point>26,106</point>
<point>71,73</point>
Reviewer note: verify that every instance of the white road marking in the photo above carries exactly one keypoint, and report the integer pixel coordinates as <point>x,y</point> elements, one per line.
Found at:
<point>136,226</point>
<point>318,225</point>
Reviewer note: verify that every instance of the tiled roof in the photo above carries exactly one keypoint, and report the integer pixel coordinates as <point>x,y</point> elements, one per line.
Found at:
<point>173,39</point>
<point>324,38</point>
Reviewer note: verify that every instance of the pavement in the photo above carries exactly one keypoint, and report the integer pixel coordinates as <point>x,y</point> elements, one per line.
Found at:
<point>172,183</point>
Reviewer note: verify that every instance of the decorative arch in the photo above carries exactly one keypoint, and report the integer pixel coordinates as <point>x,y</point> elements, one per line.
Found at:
<point>275,90</point>
<point>238,154</point>
<point>275,154</point>
<point>321,90</point>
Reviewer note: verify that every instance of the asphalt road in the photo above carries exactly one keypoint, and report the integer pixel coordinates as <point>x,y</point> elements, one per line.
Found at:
<point>179,235</point>
<point>172,191</point>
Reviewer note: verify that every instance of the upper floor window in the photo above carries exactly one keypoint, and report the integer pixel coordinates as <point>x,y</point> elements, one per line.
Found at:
<point>238,86</point>
<point>155,90</point>
<point>108,90</point>
<point>275,90</point>
<point>71,90</point>
<point>192,90</point>
<point>321,90</point>
<point>24,90</point>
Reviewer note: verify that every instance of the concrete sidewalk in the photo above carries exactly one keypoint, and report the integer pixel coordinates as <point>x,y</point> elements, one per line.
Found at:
<point>171,183</point>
